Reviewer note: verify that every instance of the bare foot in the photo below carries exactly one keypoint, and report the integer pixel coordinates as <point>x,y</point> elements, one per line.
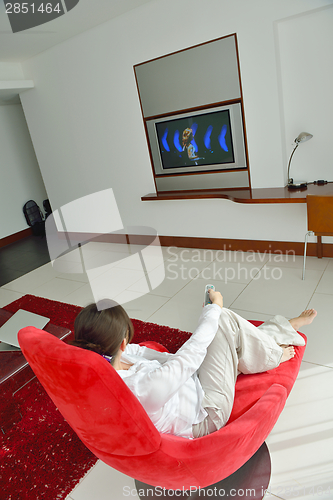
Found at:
<point>305,318</point>
<point>288,353</point>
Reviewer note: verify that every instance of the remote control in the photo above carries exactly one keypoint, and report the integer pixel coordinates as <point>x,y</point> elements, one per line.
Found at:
<point>207,299</point>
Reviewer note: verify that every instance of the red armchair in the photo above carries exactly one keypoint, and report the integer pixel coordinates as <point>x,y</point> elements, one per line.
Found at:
<point>111,422</point>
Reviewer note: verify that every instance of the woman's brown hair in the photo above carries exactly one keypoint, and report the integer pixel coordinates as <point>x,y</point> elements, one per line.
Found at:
<point>102,329</point>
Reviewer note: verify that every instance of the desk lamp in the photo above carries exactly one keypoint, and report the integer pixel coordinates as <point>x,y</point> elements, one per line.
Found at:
<point>302,137</point>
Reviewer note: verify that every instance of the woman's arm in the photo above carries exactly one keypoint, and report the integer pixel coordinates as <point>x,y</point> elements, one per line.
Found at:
<point>162,357</point>
<point>156,387</point>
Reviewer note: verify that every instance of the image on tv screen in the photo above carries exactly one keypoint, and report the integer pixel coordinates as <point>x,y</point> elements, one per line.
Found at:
<point>201,139</point>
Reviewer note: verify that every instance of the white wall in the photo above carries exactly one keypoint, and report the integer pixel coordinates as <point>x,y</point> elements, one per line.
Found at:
<point>20,177</point>
<point>85,120</point>
<point>305,47</point>
<point>10,71</point>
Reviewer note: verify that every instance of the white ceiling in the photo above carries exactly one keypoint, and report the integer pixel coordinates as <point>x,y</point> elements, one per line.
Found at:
<point>17,47</point>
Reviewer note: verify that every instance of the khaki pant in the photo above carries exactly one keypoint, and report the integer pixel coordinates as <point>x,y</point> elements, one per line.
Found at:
<point>238,347</point>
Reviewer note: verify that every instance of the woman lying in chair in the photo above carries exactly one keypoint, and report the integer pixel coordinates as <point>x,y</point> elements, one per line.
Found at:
<point>190,393</point>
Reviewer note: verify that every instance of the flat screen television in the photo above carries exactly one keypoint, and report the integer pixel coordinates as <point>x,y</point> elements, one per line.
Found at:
<point>205,140</point>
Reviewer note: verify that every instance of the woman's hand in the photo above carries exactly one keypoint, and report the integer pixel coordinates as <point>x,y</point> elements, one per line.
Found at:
<point>216,297</point>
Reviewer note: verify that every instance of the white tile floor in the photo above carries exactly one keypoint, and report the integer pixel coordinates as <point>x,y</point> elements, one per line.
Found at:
<point>254,285</point>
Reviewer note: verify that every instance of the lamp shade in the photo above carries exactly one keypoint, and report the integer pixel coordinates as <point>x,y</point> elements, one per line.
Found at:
<point>302,137</point>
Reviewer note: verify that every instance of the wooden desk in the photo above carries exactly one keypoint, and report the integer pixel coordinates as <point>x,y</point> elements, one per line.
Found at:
<point>265,195</point>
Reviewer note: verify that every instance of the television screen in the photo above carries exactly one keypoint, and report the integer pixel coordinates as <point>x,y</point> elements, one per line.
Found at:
<point>196,140</point>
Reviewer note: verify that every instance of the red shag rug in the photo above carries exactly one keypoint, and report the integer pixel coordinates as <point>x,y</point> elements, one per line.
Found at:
<point>41,457</point>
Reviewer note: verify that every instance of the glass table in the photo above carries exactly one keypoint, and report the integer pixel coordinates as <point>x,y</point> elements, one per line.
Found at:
<point>15,373</point>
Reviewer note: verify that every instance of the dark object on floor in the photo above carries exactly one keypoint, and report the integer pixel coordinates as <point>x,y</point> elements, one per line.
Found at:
<point>47,208</point>
<point>34,218</point>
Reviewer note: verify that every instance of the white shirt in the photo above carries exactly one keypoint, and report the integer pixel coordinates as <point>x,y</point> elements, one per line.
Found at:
<point>167,384</point>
